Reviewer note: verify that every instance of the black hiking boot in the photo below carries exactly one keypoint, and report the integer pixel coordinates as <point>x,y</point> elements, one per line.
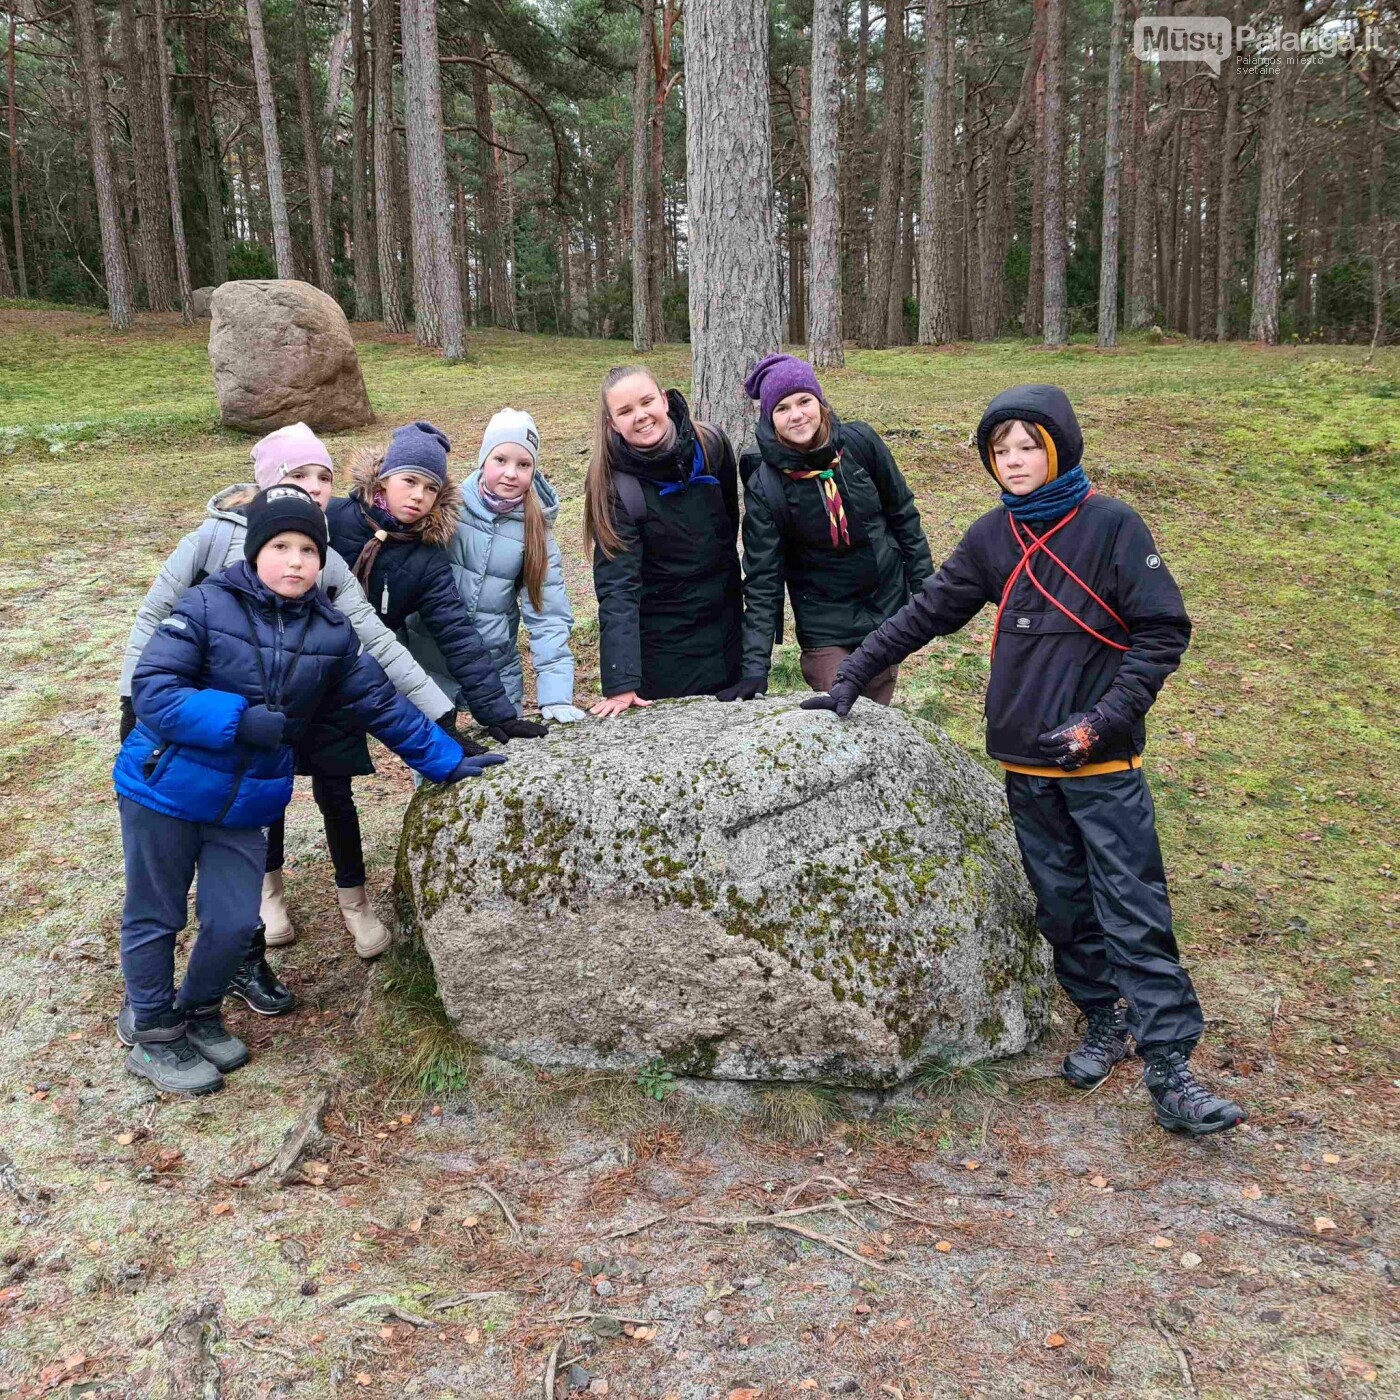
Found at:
<point>1180,1102</point>
<point>257,984</point>
<point>1104,1045</point>
<point>207,1033</point>
<point>163,1054</point>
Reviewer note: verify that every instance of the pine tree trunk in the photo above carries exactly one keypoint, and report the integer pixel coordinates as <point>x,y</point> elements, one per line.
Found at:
<point>437,287</point>
<point>114,262</point>
<point>172,168</point>
<point>210,155</point>
<point>496,300</point>
<point>1112,173</point>
<point>938,269</point>
<point>734,301</point>
<point>902,283</point>
<point>362,229</point>
<point>272,147</point>
<point>1141,298</point>
<point>1056,315</point>
<point>656,184</point>
<point>381,16</point>
<point>823,228</point>
<point>884,230</point>
<point>643,96</point>
<point>1375,160</point>
<point>148,162</point>
<point>1193,239</point>
<point>21,273</point>
<point>1273,177</point>
<point>311,154</point>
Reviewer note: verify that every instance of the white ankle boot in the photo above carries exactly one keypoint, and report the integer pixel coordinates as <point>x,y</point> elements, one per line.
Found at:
<point>276,920</point>
<point>371,937</point>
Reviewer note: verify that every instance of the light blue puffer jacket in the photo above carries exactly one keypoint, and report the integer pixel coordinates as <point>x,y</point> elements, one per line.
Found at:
<point>488,557</point>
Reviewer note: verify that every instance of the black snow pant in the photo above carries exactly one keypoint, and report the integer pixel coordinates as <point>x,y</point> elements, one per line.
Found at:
<point>1090,849</point>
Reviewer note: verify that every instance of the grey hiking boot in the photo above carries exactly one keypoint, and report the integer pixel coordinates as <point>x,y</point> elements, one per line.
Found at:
<point>1180,1102</point>
<point>1104,1045</point>
<point>164,1055</point>
<point>206,1031</point>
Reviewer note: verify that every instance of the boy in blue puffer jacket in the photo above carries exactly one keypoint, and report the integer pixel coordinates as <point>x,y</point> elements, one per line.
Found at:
<point>224,689</point>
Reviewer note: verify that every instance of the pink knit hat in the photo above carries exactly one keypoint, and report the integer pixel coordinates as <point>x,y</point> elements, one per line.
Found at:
<point>284,451</point>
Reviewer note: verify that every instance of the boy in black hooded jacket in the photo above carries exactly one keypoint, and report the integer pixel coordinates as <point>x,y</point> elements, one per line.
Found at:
<point>1089,625</point>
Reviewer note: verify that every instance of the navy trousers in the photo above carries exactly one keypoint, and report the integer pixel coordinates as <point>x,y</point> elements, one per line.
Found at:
<point>1090,850</point>
<point>163,855</point>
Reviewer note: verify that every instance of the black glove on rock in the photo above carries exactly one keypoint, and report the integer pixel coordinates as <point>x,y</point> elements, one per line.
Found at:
<point>516,729</point>
<point>745,689</point>
<point>843,695</point>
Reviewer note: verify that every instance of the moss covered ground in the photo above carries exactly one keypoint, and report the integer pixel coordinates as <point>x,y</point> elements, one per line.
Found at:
<point>1269,478</point>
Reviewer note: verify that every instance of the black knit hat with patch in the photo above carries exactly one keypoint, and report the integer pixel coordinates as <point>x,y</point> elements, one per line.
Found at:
<point>281,508</point>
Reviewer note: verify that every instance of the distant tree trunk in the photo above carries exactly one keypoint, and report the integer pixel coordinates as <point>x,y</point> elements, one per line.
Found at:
<point>853,230</point>
<point>311,154</point>
<point>362,231</point>
<point>197,43</point>
<point>108,215</point>
<point>643,96</point>
<point>20,271</point>
<point>1273,177</point>
<point>938,264</point>
<point>437,290</point>
<point>1033,313</point>
<point>1375,160</point>
<point>272,147</point>
<point>496,292</point>
<point>1112,171</point>
<point>1193,238</point>
<point>656,182</point>
<point>1056,312</point>
<point>735,316</point>
<point>381,17</point>
<point>823,226</point>
<point>152,208</point>
<point>1225,219</point>
<point>1141,308</point>
<point>884,231</point>
<point>902,283</point>
<point>172,169</point>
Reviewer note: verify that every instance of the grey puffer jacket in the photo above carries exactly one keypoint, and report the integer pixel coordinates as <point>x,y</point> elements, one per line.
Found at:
<point>488,557</point>
<point>221,533</point>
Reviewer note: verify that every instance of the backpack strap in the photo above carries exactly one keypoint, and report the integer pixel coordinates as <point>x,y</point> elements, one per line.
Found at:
<point>216,548</point>
<point>630,496</point>
<point>768,483</point>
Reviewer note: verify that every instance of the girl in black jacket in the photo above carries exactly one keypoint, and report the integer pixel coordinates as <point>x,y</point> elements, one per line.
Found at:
<point>827,512</point>
<point>661,512</point>
<point>392,529</point>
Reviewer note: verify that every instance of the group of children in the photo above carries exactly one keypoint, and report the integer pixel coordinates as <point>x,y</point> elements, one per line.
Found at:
<point>292,622</point>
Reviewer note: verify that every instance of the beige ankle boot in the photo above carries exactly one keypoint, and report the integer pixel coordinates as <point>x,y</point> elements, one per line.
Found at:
<point>277,923</point>
<point>371,937</point>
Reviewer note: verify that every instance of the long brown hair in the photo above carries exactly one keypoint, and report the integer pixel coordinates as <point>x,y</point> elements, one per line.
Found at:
<point>599,527</point>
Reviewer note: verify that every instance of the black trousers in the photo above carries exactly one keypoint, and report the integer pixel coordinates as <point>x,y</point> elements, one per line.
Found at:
<point>336,799</point>
<point>1090,850</point>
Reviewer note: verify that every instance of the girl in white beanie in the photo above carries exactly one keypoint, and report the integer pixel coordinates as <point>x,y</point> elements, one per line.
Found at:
<point>508,567</point>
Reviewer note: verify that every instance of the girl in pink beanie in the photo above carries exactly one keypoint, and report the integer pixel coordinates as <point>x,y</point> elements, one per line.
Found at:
<point>293,453</point>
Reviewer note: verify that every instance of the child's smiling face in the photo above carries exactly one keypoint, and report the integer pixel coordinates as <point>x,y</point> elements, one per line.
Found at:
<point>798,418</point>
<point>289,563</point>
<point>1020,459</point>
<point>638,410</point>
<point>508,471</point>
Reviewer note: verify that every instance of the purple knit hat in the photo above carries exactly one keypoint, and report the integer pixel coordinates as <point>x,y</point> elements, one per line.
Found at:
<point>773,378</point>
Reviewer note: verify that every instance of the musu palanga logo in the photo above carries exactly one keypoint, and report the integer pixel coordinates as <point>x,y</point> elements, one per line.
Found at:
<point>1213,40</point>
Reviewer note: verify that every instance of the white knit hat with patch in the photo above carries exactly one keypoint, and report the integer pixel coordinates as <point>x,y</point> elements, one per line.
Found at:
<point>513,426</point>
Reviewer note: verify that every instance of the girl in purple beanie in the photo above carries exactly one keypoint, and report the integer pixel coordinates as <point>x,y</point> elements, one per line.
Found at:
<point>827,514</point>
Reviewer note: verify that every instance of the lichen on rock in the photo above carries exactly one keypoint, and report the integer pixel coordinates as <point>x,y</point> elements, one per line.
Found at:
<point>747,891</point>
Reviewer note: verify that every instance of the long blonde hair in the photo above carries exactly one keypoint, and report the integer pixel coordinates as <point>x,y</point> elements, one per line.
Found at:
<point>599,526</point>
<point>536,565</point>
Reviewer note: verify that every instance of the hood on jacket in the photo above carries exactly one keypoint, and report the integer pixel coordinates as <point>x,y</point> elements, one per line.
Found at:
<point>1047,407</point>
<point>545,494</point>
<point>437,527</point>
<point>232,503</point>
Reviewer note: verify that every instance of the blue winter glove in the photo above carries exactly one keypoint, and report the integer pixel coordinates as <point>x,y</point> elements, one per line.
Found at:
<point>261,727</point>
<point>843,695</point>
<point>1077,741</point>
<point>474,766</point>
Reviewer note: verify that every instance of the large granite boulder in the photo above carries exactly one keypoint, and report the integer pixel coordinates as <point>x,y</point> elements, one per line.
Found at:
<point>747,891</point>
<point>282,353</point>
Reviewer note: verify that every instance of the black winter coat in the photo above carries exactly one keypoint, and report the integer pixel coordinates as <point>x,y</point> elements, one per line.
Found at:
<point>1046,668</point>
<point>839,595</point>
<point>670,603</point>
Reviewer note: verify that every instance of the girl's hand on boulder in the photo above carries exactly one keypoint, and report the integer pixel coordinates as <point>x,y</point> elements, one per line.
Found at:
<point>843,695</point>
<point>746,689</point>
<point>613,705</point>
<point>474,765</point>
<point>1076,741</point>
<point>516,729</point>
<point>563,714</point>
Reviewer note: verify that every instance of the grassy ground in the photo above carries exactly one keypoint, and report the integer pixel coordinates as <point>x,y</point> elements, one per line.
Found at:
<point>147,1250</point>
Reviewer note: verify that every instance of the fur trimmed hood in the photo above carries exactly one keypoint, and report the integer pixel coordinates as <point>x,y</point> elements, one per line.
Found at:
<point>437,527</point>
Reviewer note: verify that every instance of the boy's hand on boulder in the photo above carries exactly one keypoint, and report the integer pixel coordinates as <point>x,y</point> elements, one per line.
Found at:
<point>516,729</point>
<point>261,727</point>
<point>746,689</point>
<point>843,695</point>
<point>474,765</point>
<point>1076,741</point>
<point>128,722</point>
